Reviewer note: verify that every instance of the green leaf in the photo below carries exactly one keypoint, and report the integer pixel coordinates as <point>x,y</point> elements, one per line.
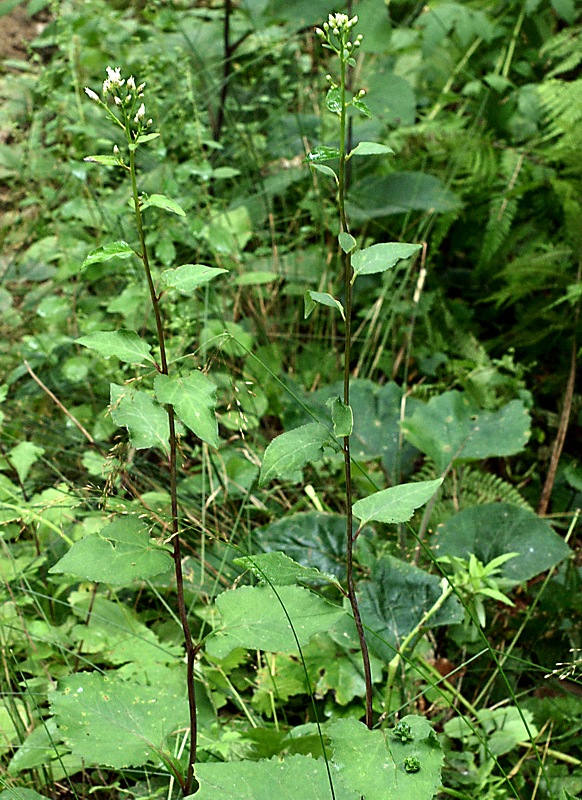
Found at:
<point>565,9</point>
<point>296,776</point>
<point>107,251</point>
<point>194,400</point>
<point>371,149</point>
<point>127,346</point>
<point>347,242</point>
<point>371,764</point>
<point>143,138</point>
<point>495,529</point>
<point>326,171</point>
<point>108,161</point>
<point>114,723</point>
<point>342,417</point>
<point>163,202</point>
<point>119,554</point>
<point>18,792</point>
<point>279,569</point>
<point>253,618</point>
<point>378,196</point>
<point>333,100</point>
<point>380,257</point>
<point>291,451</point>
<point>187,278</point>
<point>311,299</point>
<point>394,601</point>
<point>396,504</point>
<point>146,421</point>
<point>451,428</point>
<point>322,153</point>
<point>361,106</point>
<point>23,456</point>
<point>256,278</point>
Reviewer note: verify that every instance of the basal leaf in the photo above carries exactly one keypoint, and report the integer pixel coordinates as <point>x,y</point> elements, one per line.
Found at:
<point>164,202</point>
<point>380,257</point>
<point>450,428</point>
<point>107,251</point>
<point>371,149</point>
<point>115,723</point>
<point>253,618</point>
<point>280,570</point>
<point>396,504</point>
<point>291,451</point>
<point>377,765</point>
<point>187,278</point>
<point>324,299</point>
<point>146,421</point>
<point>194,399</point>
<point>494,529</point>
<point>120,553</point>
<point>127,346</point>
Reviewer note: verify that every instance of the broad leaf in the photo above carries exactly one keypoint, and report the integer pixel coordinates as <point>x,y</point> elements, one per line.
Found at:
<point>324,299</point>
<point>491,530</point>
<point>23,456</point>
<point>116,724</point>
<point>194,401</point>
<point>119,554</point>
<point>342,417</point>
<point>164,202</point>
<point>257,618</point>
<point>450,428</point>
<point>347,242</point>
<point>395,600</point>
<point>127,346</point>
<point>20,793</point>
<point>146,421</point>
<point>187,278</point>
<point>280,570</point>
<point>371,149</point>
<point>380,257</point>
<point>291,451</point>
<point>107,251</point>
<point>378,765</point>
<point>396,504</point>
<point>378,196</point>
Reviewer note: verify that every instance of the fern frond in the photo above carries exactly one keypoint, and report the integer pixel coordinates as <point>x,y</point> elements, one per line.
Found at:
<point>567,47</point>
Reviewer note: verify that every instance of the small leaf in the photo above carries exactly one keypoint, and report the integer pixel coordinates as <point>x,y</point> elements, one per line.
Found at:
<point>361,106</point>
<point>279,569</point>
<point>347,242</point>
<point>333,100</point>
<point>107,251</point>
<point>119,554</point>
<point>326,171</point>
<point>342,417</point>
<point>380,257</point>
<point>146,421</point>
<point>396,504</point>
<point>108,161</point>
<point>322,153</point>
<point>324,299</point>
<point>164,202</point>
<point>187,278</point>
<point>289,453</point>
<point>194,399</point>
<point>142,139</point>
<point>256,278</point>
<point>127,346</point>
<point>371,149</point>
<point>23,456</point>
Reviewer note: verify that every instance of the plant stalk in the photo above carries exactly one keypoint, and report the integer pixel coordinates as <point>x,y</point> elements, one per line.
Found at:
<point>346,442</point>
<point>191,650</point>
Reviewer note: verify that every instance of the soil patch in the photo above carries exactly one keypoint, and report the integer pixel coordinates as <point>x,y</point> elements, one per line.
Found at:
<point>17,29</point>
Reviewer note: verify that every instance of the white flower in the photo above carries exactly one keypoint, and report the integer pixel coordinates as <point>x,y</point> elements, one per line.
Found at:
<point>140,114</point>
<point>117,101</point>
<point>113,80</point>
<point>131,83</point>
<point>93,95</point>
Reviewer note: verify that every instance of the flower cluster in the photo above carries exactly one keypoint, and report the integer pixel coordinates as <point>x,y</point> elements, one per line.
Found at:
<point>340,26</point>
<point>129,101</point>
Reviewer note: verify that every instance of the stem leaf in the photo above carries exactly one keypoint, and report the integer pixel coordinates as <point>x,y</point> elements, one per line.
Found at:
<point>127,346</point>
<point>362,107</point>
<point>108,161</point>
<point>311,299</point>
<point>381,257</point>
<point>342,417</point>
<point>164,202</point>
<point>119,249</point>
<point>187,278</point>
<point>322,153</point>
<point>333,100</point>
<point>371,149</point>
<point>396,504</point>
<point>326,171</point>
<point>194,399</point>
<point>288,453</point>
<point>146,421</point>
<point>347,242</point>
